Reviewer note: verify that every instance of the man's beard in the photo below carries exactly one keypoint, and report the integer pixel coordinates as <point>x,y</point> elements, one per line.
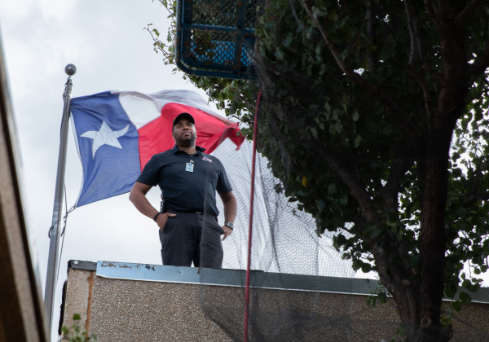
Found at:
<point>187,141</point>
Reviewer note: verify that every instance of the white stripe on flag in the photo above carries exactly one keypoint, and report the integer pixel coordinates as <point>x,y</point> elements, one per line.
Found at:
<point>144,108</point>
<point>140,108</point>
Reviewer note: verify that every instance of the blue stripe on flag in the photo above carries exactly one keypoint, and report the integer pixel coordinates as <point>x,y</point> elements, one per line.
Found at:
<point>108,147</point>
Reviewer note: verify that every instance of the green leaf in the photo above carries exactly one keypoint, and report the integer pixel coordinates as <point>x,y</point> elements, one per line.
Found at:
<point>382,297</point>
<point>445,321</point>
<point>333,16</point>
<point>331,188</point>
<point>76,317</point>
<point>478,115</point>
<point>279,54</point>
<point>321,205</point>
<point>465,298</point>
<point>366,268</point>
<point>356,116</point>
<point>372,301</point>
<point>357,140</point>
<point>314,132</point>
<point>450,290</point>
<point>457,305</point>
<point>286,42</point>
<point>318,50</point>
<point>327,107</point>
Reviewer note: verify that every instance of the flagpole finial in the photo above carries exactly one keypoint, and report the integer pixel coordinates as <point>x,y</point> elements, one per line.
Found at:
<point>70,69</point>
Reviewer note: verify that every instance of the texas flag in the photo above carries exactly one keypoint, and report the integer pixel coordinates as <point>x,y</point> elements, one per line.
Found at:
<point>117,133</point>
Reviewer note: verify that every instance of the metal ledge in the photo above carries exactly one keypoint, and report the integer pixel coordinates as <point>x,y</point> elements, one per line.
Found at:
<point>236,278</point>
<point>82,265</point>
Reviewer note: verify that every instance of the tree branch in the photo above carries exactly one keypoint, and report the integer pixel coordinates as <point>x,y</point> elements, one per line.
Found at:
<point>413,33</point>
<point>356,78</point>
<point>241,97</point>
<point>400,166</point>
<point>466,12</point>
<point>433,15</point>
<point>355,185</point>
<point>383,263</point>
<point>295,14</point>
<point>424,87</point>
<point>369,15</point>
<point>435,74</point>
<point>444,9</point>
<point>474,198</point>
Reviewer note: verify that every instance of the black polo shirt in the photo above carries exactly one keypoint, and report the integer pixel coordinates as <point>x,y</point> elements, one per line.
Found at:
<point>183,190</point>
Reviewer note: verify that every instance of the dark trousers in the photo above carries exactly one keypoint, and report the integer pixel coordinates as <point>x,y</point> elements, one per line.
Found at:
<point>191,237</point>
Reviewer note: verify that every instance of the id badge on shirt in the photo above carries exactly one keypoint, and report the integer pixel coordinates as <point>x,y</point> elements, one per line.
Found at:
<point>190,167</point>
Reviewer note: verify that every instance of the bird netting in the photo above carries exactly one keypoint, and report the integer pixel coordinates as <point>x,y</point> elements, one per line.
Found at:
<point>284,242</point>
<point>369,159</point>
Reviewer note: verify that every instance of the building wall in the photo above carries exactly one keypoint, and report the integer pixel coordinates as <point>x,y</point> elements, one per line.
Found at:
<point>135,310</point>
<point>21,307</point>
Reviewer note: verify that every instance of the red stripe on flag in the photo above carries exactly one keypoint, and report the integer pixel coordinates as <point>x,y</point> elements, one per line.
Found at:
<point>155,137</point>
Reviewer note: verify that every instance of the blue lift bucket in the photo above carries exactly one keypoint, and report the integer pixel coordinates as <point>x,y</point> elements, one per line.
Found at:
<point>216,38</point>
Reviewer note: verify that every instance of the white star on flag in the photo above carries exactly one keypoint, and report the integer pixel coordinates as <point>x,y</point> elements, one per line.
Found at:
<point>105,136</point>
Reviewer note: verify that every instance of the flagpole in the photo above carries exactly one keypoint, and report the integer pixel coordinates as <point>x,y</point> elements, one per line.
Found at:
<point>55,232</point>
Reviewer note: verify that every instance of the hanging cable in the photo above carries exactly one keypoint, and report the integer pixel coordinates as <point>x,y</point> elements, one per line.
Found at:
<point>65,220</point>
<point>252,196</point>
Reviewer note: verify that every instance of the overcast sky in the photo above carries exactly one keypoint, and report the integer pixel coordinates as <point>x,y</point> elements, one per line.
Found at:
<point>106,41</point>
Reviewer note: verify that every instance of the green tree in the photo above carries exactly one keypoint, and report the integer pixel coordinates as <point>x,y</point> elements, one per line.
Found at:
<point>374,119</point>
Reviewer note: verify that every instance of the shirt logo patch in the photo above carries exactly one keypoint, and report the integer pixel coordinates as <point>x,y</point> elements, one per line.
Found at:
<point>207,159</point>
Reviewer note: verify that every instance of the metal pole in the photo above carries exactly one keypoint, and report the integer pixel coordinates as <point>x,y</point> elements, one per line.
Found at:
<point>252,194</point>
<point>55,232</point>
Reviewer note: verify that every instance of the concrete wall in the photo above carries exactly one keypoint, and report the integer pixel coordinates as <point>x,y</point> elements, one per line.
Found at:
<point>21,308</point>
<point>135,310</point>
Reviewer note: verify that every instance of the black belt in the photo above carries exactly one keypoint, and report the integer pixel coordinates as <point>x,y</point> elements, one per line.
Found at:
<point>190,212</point>
<point>184,211</point>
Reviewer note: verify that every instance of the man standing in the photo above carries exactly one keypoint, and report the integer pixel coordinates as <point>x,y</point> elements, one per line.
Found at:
<point>189,179</point>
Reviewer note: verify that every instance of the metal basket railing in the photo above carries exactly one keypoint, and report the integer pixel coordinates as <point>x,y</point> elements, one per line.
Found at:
<point>216,38</point>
